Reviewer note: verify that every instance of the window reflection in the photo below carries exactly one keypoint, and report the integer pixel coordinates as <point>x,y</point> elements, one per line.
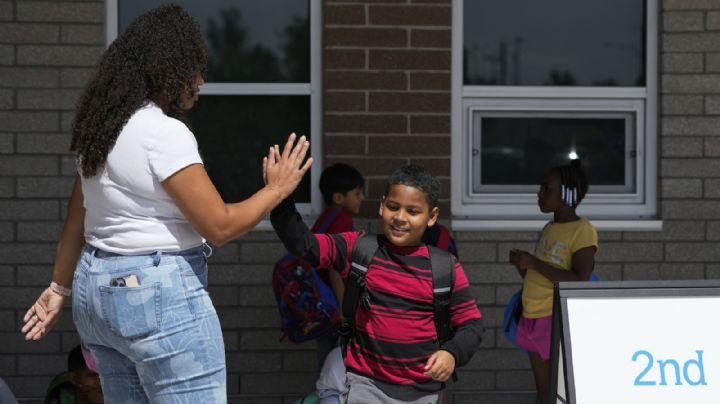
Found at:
<point>516,151</point>
<point>557,43</point>
<point>264,41</point>
<point>235,132</point>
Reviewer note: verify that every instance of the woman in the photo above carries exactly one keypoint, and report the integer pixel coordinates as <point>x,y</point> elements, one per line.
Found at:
<point>132,247</point>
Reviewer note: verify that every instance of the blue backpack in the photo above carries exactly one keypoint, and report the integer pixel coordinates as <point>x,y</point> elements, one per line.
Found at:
<point>514,309</point>
<point>308,307</point>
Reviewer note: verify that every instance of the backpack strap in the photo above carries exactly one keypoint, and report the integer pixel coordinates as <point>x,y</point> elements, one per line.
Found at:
<point>443,273</point>
<point>331,215</point>
<point>355,291</point>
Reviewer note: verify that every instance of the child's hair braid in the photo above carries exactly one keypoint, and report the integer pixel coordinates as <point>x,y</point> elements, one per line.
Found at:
<point>573,183</point>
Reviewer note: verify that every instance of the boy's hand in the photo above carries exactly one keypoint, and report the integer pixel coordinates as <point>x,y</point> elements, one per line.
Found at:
<point>440,365</point>
<point>282,172</point>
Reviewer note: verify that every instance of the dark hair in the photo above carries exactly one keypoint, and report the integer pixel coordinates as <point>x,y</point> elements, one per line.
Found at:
<point>573,183</point>
<point>160,52</point>
<point>76,360</point>
<point>341,178</point>
<point>417,177</point>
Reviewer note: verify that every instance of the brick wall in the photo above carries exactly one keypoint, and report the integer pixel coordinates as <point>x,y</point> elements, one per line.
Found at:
<point>387,89</point>
<point>387,102</point>
<point>47,51</point>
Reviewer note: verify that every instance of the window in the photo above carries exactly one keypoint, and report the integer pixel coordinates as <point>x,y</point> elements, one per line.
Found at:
<point>263,83</point>
<point>559,80</point>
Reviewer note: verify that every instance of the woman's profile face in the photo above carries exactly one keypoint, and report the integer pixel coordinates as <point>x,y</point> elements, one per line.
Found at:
<point>188,99</point>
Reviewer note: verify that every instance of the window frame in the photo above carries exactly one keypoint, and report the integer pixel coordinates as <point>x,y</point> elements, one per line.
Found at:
<point>492,210</point>
<point>313,89</point>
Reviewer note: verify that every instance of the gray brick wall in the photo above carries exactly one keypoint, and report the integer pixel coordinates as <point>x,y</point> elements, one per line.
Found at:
<point>386,72</point>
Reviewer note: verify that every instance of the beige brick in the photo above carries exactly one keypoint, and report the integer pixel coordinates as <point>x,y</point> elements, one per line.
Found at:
<point>682,104</point>
<point>712,147</point>
<point>698,210</point>
<point>83,34</point>
<point>692,252</point>
<point>690,4</point>
<point>712,20</point>
<point>691,126</point>
<point>683,21</point>
<point>7,55</point>
<point>17,33</point>
<point>682,62</point>
<point>25,77</point>
<point>712,188</point>
<point>59,55</point>
<point>702,168</point>
<point>681,188</point>
<point>61,11</point>
<point>48,99</point>
<point>696,42</point>
<point>682,147</point>
<point>713,230</point>
<point>676,83</point>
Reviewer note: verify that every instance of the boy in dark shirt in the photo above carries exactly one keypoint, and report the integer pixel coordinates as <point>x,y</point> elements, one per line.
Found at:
<point>394,356</point>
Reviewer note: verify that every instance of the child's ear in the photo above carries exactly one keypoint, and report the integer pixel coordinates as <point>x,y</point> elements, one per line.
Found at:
<point>337,198</point>
<point>382,203</point>
<point>434,214</point>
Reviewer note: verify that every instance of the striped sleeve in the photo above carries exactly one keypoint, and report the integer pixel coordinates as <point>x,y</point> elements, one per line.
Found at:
<point>465,319</point>
<point>463,306</point>
<point>334,251</point>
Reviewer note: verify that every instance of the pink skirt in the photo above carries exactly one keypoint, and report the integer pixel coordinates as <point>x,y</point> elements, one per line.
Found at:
<point>533,335</point>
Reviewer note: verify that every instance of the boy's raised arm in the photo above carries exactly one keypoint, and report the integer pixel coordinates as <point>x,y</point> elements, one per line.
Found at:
<point>293,232</point>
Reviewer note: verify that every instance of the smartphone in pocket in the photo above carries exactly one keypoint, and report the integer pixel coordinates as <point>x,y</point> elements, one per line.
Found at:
<point>125,281</point>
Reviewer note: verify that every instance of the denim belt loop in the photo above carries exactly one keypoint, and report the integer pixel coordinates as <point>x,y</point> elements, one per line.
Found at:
<point>157,256</point>
<point>207,250</point>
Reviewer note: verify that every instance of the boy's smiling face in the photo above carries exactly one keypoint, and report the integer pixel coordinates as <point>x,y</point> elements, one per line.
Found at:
<point>405,214</point>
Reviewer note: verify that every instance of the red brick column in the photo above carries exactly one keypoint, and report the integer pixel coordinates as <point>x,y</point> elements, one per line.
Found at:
<point>387,89</point>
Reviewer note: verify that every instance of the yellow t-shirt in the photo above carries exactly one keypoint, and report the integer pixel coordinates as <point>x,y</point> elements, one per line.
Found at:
<point>558,243</point>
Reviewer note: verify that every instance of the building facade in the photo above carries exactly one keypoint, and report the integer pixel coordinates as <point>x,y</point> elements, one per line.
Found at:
<point>378,84</point>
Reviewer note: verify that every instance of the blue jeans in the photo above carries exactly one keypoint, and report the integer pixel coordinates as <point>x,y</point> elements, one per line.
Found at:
<point>159,341</point>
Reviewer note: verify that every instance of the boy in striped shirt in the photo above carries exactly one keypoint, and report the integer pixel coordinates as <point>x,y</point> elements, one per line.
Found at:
<point>394,355</point>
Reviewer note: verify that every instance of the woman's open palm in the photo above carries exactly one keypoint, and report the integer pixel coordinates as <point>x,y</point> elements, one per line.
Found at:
<point>283,171</point>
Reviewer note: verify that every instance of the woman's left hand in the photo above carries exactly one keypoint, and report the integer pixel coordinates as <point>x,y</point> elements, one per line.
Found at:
<point>43,315</point>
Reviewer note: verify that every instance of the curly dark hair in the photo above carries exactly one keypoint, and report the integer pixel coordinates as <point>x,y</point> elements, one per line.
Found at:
<point>160,53</point>
<point>419,177</point>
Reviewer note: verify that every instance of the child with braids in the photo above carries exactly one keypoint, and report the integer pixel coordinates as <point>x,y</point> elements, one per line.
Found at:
<point>565,252</point>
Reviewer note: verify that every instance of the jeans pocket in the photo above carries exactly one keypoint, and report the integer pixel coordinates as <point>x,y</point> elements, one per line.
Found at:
<point>131,312</point>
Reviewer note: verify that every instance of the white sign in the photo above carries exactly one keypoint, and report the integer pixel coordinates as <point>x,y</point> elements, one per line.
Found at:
<point>644,349</point>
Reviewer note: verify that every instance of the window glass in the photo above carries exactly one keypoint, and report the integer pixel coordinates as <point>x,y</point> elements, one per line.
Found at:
<point>511,153</point>
<point>252,41</point>
<point>235,132</point>
<point>556,43</point>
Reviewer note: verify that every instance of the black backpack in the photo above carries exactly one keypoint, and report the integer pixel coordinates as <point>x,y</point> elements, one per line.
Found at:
<point>443,272</point>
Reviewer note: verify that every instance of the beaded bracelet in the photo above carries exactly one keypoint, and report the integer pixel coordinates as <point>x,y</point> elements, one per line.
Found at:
<point>60,290</point>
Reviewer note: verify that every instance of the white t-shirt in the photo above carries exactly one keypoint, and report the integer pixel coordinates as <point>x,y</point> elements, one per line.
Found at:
<point>127,210</point>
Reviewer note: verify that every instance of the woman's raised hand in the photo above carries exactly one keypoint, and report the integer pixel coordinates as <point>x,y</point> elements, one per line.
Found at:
<point>282,172</point>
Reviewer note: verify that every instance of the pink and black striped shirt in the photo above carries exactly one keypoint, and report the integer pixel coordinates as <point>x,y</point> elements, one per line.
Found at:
<point>394,339</point>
